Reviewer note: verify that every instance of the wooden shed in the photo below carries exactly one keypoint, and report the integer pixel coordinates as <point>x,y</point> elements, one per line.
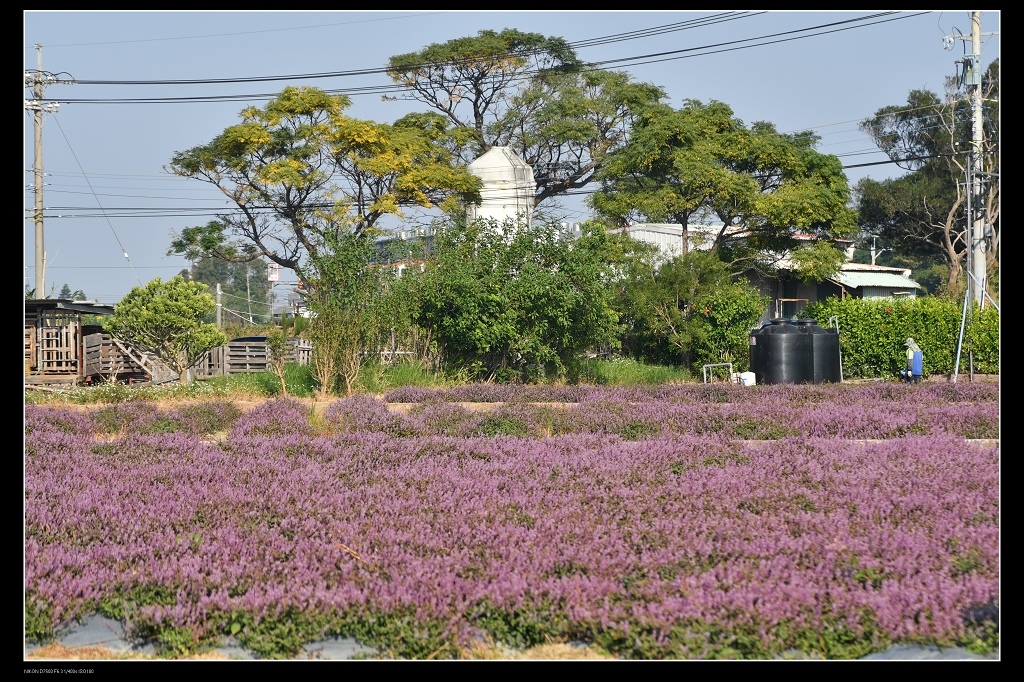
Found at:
<point>61,349</point>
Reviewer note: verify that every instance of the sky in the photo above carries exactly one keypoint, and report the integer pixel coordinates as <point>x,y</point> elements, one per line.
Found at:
<point>111,208</point>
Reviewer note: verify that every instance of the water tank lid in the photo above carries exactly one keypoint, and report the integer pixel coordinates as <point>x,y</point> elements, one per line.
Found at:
<point>807,321</point>
<point>782,320</point>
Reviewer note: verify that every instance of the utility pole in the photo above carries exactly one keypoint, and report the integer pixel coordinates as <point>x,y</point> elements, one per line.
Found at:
<point>37,80</point>
<point>975,204</point>
<point>248,292</point>
<point>220,308</point>
<point>973,81</point>
<point>875,252</point>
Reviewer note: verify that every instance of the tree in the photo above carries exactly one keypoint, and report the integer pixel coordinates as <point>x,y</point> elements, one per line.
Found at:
<point>344,296</point>
<point>277,349</point>
<point>165,319</point>
<point>514,302</point>
<point>688,310</point>
<point>244,288</point>
<point>528,92</point>
<point>922,214</point>
<point>701,164</point>
<point>300,173</point>
<point>308,180</point>
<point>66,293</point>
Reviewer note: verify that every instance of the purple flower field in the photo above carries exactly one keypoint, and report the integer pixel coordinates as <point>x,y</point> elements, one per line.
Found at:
<point>672,522</point>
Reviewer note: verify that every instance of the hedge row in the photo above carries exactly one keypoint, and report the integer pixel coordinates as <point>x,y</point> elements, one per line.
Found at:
<point>872,333</point>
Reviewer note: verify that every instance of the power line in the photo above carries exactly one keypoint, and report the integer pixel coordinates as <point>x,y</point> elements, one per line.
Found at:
<point>116,238</point>
<point>198,212</point>
<point>592,42</point>
<point>168,212</point>
<point>391,88</point>
<point>747,40</point>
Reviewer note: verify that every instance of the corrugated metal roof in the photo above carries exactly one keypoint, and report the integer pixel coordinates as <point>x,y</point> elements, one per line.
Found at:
<point>889,280</point>
<point>34,305</point>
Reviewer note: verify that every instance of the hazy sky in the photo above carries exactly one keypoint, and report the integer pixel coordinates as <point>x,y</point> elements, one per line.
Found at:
<point>107,193</point>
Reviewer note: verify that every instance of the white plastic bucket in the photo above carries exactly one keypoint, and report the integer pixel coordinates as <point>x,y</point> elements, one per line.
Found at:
<point>747,378</point>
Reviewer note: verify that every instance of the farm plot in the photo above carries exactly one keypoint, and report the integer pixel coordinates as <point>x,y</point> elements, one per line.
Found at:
<point>834,520</point>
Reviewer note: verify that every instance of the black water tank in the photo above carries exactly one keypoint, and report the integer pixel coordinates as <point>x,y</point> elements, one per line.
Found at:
<point>824,359</point>
<point>783,355</point>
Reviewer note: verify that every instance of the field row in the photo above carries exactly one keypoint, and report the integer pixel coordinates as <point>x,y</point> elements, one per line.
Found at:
<point>281,531</point>
<point>852,412</point>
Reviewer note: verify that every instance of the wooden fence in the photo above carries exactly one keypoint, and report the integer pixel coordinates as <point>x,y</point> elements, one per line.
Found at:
<point>103,356</point>
<point>244,357</point>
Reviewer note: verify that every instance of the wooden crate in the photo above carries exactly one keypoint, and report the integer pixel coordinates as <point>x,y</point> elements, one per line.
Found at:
<point>245,357</point>
<point>56,342</point>
<point>300,351</point>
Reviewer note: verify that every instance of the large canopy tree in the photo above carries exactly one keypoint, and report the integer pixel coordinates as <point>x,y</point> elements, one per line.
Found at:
<point>767,192</point>
<point>300,173</point>
<point>922,214</point>
<point>528,92</point>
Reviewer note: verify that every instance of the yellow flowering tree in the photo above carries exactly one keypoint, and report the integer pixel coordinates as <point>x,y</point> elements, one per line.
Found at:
<point>299,173</point>
<point>309,187</point>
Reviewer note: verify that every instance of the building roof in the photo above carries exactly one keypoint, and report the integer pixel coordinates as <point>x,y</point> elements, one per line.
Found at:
<point>34,305</point>
<point>502,164</point>
<point>856,279</point>
<point>867,267</point>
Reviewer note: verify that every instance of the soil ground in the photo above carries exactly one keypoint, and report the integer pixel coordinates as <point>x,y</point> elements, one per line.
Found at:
<point>547,652</point>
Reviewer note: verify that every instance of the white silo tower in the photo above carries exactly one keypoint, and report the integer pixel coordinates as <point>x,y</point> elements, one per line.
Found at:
<point>508,186</point>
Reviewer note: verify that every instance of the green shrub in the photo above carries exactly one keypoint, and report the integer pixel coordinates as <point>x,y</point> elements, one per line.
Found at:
<point>872,333</point>
<point>502,425</point>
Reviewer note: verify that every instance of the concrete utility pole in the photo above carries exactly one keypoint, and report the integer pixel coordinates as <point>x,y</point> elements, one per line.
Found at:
<point>37,80</point>
<point>874,251</point>
<point>977,242</point>
<point>220,308</point>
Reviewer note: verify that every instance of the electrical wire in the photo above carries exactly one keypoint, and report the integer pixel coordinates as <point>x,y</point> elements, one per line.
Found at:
<point>592,42</point>
<point>392,89</point>
<point>163,212</point>
<point>109,224</point>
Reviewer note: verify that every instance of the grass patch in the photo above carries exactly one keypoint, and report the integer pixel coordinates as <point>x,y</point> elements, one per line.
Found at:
<point>297,378</point>
<point>629,372</point>
<point>377,379</point>
<point>257,385</point>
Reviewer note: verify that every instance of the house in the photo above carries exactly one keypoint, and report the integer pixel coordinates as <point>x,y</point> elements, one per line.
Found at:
<point>668,238</point>
<point>863,280</point>
<point>788,294</point>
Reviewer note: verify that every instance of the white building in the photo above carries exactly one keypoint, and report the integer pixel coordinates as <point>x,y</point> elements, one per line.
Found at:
<point>668,237</point>
<point>508,186</point>
<point>788,294</point>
